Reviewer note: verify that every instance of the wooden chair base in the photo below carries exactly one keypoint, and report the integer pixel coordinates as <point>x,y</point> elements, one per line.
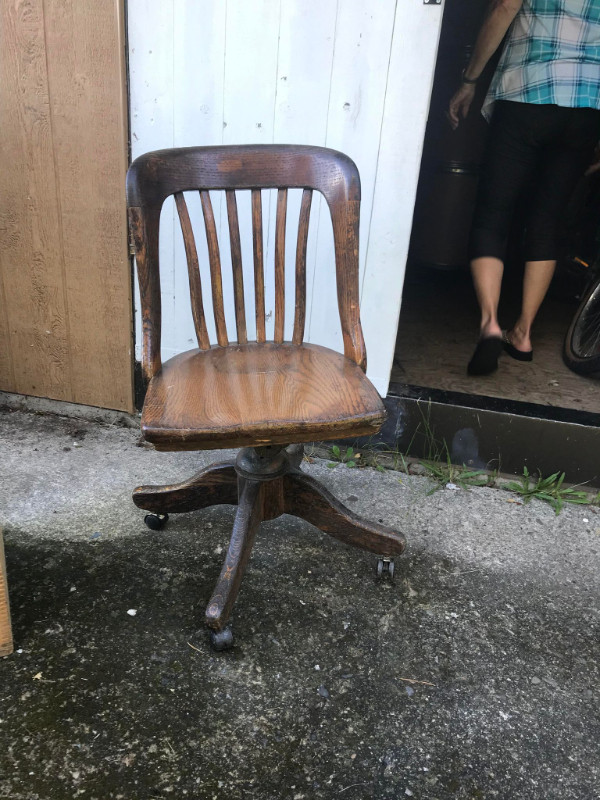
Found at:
<point>264,483</point>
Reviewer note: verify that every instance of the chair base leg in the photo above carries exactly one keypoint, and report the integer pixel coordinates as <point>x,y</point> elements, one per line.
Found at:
<point>276,487</point>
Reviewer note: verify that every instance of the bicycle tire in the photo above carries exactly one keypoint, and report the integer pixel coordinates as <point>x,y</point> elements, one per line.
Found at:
<point>581,351</point>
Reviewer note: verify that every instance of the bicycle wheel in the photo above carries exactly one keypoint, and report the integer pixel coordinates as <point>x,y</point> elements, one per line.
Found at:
<point>581,350</point>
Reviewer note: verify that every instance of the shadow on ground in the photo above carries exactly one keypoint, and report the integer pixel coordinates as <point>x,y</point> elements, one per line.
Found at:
<point>474,676</point>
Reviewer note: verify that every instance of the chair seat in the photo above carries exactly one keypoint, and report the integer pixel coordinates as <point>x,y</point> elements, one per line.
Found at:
<point>258,394</point>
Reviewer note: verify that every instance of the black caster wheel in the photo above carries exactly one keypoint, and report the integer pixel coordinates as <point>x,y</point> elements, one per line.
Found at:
<point>156,522</point>
<point>385,567</point>
<point>221,640</point>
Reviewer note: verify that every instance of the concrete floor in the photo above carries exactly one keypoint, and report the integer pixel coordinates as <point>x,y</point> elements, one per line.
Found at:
<point>475,676</point>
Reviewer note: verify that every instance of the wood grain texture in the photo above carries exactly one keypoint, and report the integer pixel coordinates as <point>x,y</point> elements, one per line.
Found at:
<point>300,314</point>
<point>259,267</point>
<point>258,394</point>
<point>236,264</point>
<point>30,245</point>
<point>280,221</point>
<point>65,265</point>
<point>216,279</point>
<point>214,485</point>
<point>306,498</point>
<point>154,176</point>
<point>193,272</point>
<point>245,526</point>
<point>6,642</point>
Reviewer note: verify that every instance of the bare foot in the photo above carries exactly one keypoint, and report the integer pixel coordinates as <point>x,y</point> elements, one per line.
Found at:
<point>519,339</point>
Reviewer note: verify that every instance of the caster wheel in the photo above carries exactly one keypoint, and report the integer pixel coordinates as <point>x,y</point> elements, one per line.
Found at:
<point>156,522</point>
<point>221,640</point>
<point>385,567</point>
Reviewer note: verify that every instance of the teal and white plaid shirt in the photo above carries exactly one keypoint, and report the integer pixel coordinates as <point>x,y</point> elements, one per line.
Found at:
<point>552,55</point>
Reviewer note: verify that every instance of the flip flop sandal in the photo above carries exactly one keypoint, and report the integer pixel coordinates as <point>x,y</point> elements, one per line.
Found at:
<point>485,357</point>
<point>519,355</point>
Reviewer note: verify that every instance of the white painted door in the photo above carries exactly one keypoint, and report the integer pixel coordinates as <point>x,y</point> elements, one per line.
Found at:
<point>338,73</point>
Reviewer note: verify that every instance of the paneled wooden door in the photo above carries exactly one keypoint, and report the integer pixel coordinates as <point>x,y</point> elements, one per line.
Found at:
<point>65,273</point>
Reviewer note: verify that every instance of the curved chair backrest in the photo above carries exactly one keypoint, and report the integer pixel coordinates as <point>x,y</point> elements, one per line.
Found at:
<point>155,176</point>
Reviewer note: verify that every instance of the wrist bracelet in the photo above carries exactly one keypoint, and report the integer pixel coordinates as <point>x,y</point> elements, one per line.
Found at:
<point>470,81</point>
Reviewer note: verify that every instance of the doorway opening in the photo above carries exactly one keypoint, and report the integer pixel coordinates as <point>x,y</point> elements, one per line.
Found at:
<point>439,317</point>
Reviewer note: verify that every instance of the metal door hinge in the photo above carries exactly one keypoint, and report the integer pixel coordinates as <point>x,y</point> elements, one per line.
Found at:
<point>432,2</point>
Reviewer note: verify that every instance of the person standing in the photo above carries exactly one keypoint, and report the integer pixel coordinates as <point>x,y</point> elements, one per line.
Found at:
<point>544,107</point>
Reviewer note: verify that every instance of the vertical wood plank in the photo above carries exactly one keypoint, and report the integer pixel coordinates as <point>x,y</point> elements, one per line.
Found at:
<point>259,269</point>
<point>300,294</point>
<point>215,268</point>
<point>86,72</point>
<point>199,51</point>
<point>30,245</point>
<point>301,115</point>
<point>6,643</point>
<point>249,100</point>
<point>415,40</point>
<point>236,264</point>
<point>150,35</point>
<point>193,272</point>
<point>363,40</point>
<point>280,264</point>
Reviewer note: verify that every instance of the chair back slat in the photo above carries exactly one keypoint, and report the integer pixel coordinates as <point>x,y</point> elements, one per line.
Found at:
<point>236,264</point>
<point>300,315</point>
<point>215,268</point>
<point>280,264</point>
<point>259,270</point>
<point>193,272</point>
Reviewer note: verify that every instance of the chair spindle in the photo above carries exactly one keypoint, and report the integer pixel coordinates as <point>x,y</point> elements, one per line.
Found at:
<point>259,275</point>
<point>280,264</point>
<point>300,315</point>
<point>193,272</point>
<point>215,268</point>
<point>236,264</point>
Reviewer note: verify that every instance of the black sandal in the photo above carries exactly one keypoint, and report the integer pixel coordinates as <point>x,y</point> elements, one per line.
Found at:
<point>485,357</point>
<point>519,355</point>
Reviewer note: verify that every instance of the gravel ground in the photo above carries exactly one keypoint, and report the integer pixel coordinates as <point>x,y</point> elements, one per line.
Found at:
<point>475,675</point>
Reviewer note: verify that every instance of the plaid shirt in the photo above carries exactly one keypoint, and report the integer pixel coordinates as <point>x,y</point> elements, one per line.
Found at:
<point>552,55</point>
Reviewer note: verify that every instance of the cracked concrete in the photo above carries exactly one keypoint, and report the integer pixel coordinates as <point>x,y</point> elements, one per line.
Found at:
<point>476,675</point>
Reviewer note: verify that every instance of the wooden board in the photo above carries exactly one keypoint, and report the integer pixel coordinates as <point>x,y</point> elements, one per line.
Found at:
<point>6,643</point>
<point>65,299</point>
<point>355,77</point>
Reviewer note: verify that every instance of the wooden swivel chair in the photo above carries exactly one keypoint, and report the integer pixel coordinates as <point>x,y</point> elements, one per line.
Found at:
<point>264,396</point>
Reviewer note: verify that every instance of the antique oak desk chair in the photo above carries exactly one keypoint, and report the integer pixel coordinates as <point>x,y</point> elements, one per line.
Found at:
<point>266,397</point>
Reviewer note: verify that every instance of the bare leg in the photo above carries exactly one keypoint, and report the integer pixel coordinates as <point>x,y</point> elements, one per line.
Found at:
<point>537,278</point>
<point>487,279</point>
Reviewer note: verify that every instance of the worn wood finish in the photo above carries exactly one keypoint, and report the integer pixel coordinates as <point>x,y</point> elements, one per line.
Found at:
<point>65,320</point>
<point>247,521</point>
<point>236,264</point>
<point>258,394</point>
<point>214,485</point>
<point>193,272</point>
<point>300,316</point>
<point>155,176</point>
<point>262,395</point>
<point>215,268</point>
<point>269,484</point>
<point>307,499</point>
<point>6,642</point>
<point>280,221</point>
<point>259,267</point>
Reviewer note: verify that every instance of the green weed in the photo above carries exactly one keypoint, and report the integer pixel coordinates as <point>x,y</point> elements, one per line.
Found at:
<point>347,457</point>
<point>550,490</point>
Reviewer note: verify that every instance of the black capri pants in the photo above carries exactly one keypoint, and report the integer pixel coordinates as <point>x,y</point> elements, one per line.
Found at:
<point>553,143</point>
